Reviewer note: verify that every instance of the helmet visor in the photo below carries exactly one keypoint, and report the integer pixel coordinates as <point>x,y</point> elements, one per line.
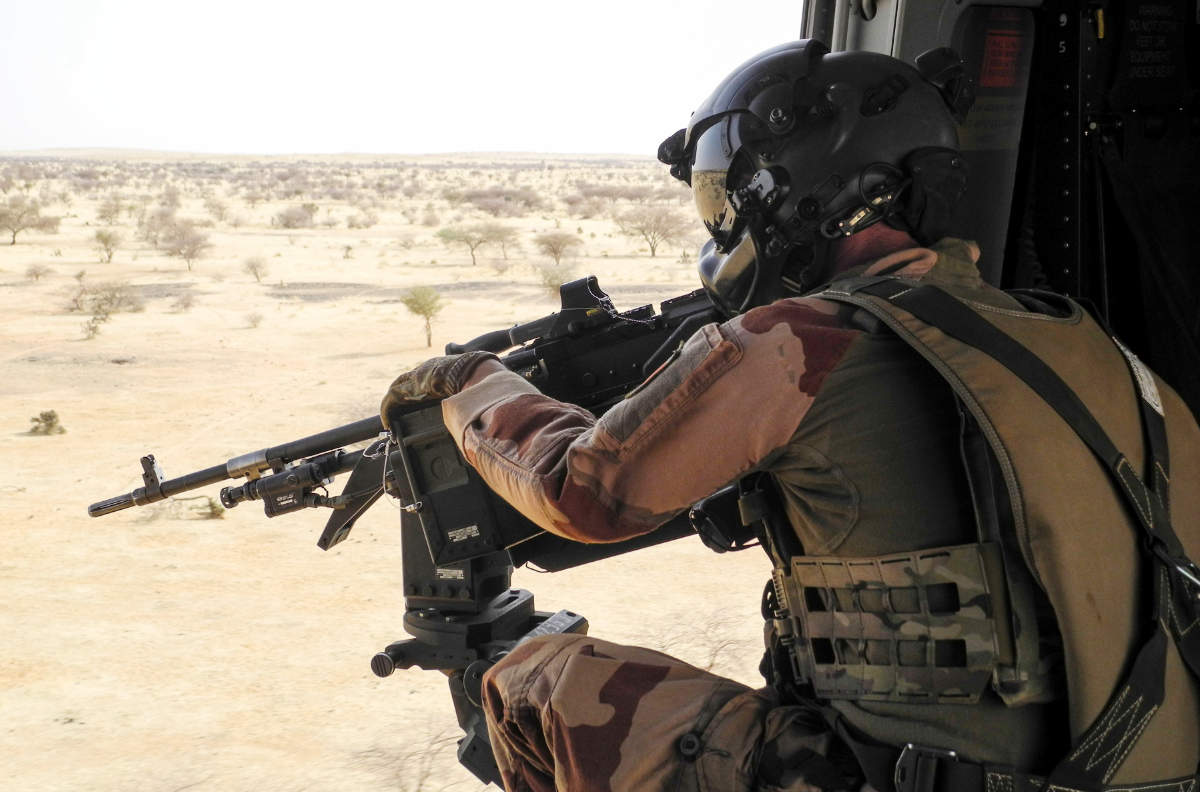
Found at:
<point>713,154</point>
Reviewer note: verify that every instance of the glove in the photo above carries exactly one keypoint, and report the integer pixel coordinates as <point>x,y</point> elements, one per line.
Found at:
<point>433,380</point>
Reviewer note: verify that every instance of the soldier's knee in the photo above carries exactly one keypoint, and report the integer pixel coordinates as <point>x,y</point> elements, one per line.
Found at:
<point>507,683</point>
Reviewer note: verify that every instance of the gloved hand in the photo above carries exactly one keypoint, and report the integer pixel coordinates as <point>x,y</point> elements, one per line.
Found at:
<point>436,378</point>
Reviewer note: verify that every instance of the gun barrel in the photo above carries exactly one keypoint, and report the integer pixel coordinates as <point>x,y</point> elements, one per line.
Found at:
<point>366,429</point>
<point>142,496</point>
<point>111,505</point>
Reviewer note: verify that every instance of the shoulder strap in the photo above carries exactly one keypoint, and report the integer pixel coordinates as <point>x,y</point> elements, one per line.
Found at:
<point>1175,579</point>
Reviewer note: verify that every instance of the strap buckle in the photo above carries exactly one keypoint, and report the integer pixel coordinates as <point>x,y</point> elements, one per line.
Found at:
<point>1185,566</point>
<point>914,775</point>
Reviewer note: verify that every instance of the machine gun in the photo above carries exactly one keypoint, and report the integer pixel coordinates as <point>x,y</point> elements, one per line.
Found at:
<point>460,541</point>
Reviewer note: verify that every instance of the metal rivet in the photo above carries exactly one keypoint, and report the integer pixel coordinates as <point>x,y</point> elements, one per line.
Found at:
<point>689,746</point>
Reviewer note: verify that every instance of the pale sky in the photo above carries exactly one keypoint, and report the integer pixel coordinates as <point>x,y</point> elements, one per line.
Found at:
<point>613,76</point>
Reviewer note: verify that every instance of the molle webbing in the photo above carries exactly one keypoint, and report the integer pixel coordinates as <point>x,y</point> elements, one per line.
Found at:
<point>913,627</point>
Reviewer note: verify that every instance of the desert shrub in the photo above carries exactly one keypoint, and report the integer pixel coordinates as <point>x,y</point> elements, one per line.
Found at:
<point>153,226</point>
<point>116,297</point>
<point>109,210</point>
<point>503,201</point>
<point>183,303</point>
<point>186,241</point>
<point>256,266</point>
<point>430,218</point>
<point>364,219</point>
<point>425,302</point>
<point>106,244</point>
<point>102,301</point>
<point>217,209</point>
<point>91,328</point>
<point>554,275</point>
<point>253,320</point>
<point>296,217</point>
<point>169,198</point>
<point>35,271</point>
<point>46,423</point>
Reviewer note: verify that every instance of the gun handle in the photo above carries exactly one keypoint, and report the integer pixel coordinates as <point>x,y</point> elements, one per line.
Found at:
<point>495,341</point>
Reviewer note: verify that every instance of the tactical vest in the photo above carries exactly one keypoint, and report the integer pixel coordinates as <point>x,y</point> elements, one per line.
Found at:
<point>1065,444</point>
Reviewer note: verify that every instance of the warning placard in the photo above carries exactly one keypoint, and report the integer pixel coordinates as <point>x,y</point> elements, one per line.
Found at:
<point>1001,59</point>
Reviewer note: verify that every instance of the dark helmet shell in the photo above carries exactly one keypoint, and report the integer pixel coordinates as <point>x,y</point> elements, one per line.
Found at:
<point>798,146</point>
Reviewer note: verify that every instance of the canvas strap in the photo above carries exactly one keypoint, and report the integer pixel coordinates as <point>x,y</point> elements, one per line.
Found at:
<point>1175,580</point>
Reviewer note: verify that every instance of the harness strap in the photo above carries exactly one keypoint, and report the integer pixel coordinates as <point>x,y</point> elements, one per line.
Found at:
<point>1106,743</point>
<point>918,768</point>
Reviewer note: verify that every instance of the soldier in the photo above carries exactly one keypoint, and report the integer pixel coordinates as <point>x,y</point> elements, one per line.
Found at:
<point>960,598</point>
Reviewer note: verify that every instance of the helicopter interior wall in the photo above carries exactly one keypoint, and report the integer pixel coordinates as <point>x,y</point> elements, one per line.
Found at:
<point>1083,178</point>
<point>996,41</point>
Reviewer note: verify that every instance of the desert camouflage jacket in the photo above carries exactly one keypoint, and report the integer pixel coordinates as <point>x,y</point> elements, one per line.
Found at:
<point>849,422</point>
<point>859,434</point>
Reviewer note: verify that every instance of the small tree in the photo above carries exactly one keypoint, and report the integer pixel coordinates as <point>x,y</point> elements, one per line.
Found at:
<point>502,235</point>
<point>153,226</point>
<point>556,244</point>
<point>106,244</point>
<point>185,241</point>
<point>20,213</point>
<point>655,225</point>
<point>471,237</point>
<point>217,209</point>
<point>256,266</point>
<point>425,302</point>
<point>35,271</point>
<point>109,210</point>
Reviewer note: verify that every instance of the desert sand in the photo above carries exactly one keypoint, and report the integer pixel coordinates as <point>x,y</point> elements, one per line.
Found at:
<point>156,649</point>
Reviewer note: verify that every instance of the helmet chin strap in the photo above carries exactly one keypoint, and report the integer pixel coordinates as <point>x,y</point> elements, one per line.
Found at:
<point>802,264</point>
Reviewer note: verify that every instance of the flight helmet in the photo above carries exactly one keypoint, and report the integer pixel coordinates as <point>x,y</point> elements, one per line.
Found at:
<point>798,147</point>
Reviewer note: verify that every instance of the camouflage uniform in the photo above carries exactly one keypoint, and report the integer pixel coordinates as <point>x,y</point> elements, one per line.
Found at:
<point>860,436</point>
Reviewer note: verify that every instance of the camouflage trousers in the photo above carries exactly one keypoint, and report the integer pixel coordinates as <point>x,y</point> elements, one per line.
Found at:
<point>570,712</point>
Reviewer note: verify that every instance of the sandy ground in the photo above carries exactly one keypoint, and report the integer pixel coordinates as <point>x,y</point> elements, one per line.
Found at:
<point>154,650</point>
